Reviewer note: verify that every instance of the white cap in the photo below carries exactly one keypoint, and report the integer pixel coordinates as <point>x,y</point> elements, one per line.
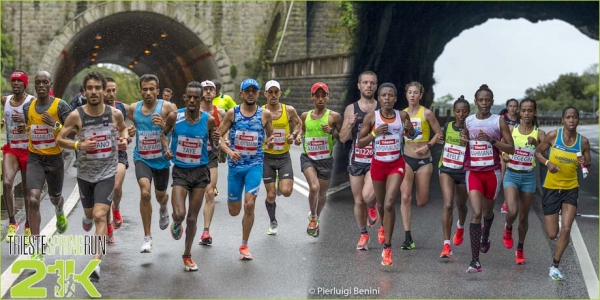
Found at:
<point>272,83</point>
<point>208,83</point>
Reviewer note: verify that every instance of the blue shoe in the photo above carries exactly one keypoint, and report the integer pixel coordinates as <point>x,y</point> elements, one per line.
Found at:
<point>176,230</point>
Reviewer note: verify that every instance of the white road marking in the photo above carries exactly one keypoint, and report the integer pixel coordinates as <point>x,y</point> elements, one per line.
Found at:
<point>8,279</point>
<point>304,189</point>
<point>587,268</point>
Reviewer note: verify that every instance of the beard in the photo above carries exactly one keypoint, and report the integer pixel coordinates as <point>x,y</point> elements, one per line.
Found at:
<point>248,103</point>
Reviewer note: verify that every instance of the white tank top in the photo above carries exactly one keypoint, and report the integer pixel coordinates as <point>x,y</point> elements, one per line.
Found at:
<point>388,147</point>
<point>16,140</point>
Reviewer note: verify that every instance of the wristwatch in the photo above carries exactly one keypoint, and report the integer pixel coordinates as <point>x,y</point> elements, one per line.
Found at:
<point>57,126</point>
<point>493,141</point>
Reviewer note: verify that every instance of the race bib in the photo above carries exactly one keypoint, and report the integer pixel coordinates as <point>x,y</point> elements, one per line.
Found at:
<point>17,140</point>
<point>482,154</point>
<point>104,144</point>
<point>246,142</point>
<point>364,155</point>
<point>279,135</point>
<point>318,148</point>
<point>387,147</point>
<point>42,137</point>
<point>453,156</point>
<point>189,150</point>
<point>149,146</point>
<point>522,160</point>
<point>416,123</point>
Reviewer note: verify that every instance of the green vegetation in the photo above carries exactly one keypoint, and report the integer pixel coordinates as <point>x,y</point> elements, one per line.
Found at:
<point>348,18</point>
<point>128,90</point>
<point>7,64</point>
<point>568,89</point>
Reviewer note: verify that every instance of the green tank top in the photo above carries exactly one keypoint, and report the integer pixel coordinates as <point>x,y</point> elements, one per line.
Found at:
<point>317,144</point>
<point>453,155</point>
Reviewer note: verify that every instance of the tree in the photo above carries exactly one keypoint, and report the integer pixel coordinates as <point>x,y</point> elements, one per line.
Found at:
<point>7,64</point>
<point>128,90</point>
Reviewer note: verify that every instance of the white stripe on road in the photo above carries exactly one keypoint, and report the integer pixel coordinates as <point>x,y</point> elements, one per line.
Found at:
<point>8,279</point>
<point>304,189</point>
<point>587,268</point>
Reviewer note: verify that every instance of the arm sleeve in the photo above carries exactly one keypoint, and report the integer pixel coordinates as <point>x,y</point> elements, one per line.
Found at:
<point>63,111</point>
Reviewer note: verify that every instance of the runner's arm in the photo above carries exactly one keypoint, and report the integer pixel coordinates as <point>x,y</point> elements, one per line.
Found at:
<point>585,151</point>
<point>346,130</point>
<point>293,116</point>
<point>365,136</point>
<point>542,149</point>
<point>337,124</point>
<point>73,122</point>
<point>164,135</point>
<point>506,144</point>
<point>435,126</point>
<point>226,124</point>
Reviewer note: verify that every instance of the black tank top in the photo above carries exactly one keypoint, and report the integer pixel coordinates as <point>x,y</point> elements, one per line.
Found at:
<point>358,126</point>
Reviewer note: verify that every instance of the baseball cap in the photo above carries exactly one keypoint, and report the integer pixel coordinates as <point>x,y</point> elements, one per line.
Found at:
<point>272,83</point>
<point>319,85</point>
<point>206,83</point>
<point>248,82</point>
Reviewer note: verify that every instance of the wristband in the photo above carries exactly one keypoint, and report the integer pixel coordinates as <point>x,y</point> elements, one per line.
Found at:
<point>493,141</point>
<point>546,163</point>
<point>429,145</point>
<point>373,134</point>
<point>76,145</point>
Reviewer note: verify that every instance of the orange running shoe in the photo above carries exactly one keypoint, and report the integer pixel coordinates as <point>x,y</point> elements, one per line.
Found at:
<point>519,257</point>
<point>110,237</point>
<point>245,253</point>
<point>117,219</point>
<point>205,239</point>
<point>363,242</point>
<point>373,215</point>
<point>458,236</point>
<point>381,235</point>
<point>446,251</point>
<point>387,257</point>
<point>313,227</point>
<point>189,264</point>
<point>507,238</point>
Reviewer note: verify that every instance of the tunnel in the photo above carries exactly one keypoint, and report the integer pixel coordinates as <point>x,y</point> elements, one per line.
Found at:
<point>142,41</point>
<point>400,41</point>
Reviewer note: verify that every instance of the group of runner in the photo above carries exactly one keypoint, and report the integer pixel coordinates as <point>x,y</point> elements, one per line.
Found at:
<point>391,152</point>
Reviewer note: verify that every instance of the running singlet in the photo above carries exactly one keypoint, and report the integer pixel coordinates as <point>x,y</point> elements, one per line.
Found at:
<point>511,122</point>
<point>421,126</point>
<point>481,155</point>
<point>364,155</point>
<point>246,136</point>
<point>121,107</point>
<point>317,144</point>
<point>148,148</point>
<point>15,139</point>
<point>100,163</point>
<point>215,115</point>
<point>565,158</point>
<point>523,159</point>
<point>388,147</point>
<point>188,142</point>
<point>281,129</point>
<point>453,155</point>
<point>42,139</point>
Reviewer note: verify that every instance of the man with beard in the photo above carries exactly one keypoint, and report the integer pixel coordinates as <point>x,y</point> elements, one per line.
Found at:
<point>45,116</point>
<point>102,129</point>
<point>359,168</point>
<point>148,116</point>
<point>248,123</point>
<point>110,99</point>
<point>14,152</point>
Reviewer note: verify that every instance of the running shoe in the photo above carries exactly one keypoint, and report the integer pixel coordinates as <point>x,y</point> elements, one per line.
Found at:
<point>245,253</point>
<point>310,216</point>
<point>205,239</point>
<point>381,235</point>
<point>163,221</point>
<point>485,245</point>
<point>95,276</point>
<point>87,224</point>
<point>313,227</point>
<point>555,274</point>
<point>408,245</point>
<point>504,209</point>
<point>61,223</point>
<point>474,267</point>
<point>446,251</point>
<point>110,237</point>
<point>508,238</point>
<point>458,236</point>
<point>117,219</point>
<point>147,245</point>
<point>176,230</point>
<point>373,215</point>
<point>12,230</point>
<point>189,264</point>
<point>387,257</point>
<point>216,190</point>
<point>272,228</point>
<point>363,242</point>
<point>27,230</point>
<point>519,257</point>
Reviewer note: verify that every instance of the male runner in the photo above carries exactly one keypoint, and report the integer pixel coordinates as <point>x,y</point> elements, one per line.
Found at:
<point>278,174</point>
<point>102,129</point>
<point>247,124</point>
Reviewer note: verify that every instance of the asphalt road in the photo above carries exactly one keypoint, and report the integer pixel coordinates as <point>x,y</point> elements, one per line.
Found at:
<point>294,265</point>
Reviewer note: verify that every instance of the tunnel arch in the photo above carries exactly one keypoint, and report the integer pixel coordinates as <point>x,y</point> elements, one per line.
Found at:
<point>189,51</point>
<point>401,41</point>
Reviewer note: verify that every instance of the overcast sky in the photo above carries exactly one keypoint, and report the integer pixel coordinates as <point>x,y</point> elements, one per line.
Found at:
<point>511,56</point>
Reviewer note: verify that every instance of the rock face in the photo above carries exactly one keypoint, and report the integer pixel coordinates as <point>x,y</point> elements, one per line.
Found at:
<point>402,40</point>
